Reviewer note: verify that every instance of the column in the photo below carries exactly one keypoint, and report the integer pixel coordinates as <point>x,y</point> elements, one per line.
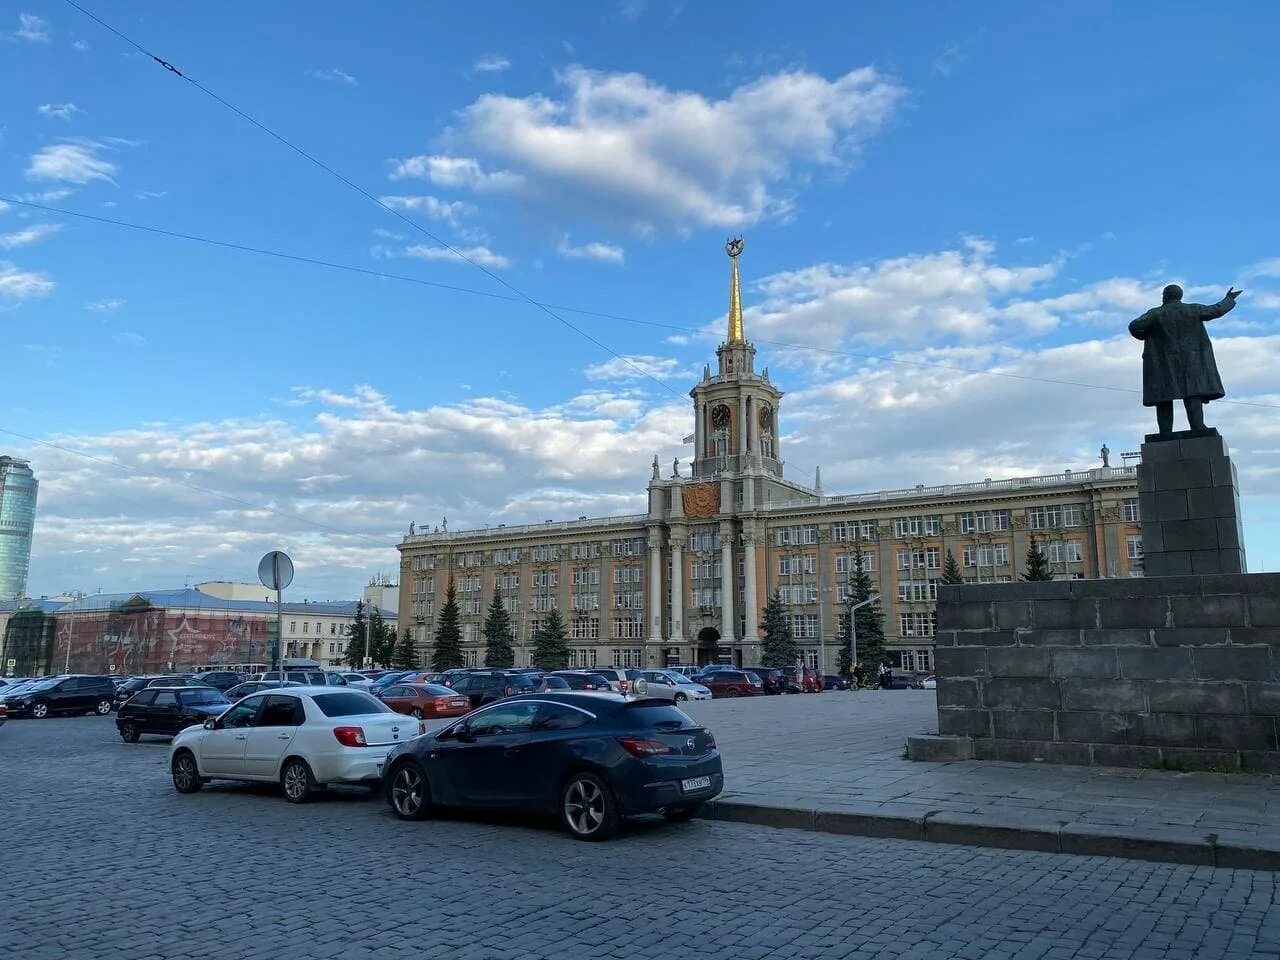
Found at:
<point>677,589</point>
<point>749,594</point>
<point>698,438</point>
<point>742,431</point>
<point>655,585</point>
<point>727,580</point>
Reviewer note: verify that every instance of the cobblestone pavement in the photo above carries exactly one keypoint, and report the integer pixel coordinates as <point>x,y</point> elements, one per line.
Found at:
<point>843,752</point>
<point>103,861</point>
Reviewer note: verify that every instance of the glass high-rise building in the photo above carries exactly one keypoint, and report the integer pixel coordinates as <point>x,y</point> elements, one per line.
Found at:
<point>18,487</point>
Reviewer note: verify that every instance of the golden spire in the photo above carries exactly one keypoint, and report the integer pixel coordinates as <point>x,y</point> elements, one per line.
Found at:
<point>733,248</point>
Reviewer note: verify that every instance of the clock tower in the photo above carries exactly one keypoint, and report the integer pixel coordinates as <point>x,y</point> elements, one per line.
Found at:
<point>736,411</point>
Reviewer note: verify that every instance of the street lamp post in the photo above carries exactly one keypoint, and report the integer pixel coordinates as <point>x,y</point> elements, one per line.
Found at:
<point>853,626</point>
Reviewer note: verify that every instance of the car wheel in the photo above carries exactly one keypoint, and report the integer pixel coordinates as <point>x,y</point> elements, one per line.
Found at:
<point>129,733</point>
<point>296,781</point>
<point>408,792</point>
<point>39,710</point>
<point>681,814</point>
<point>416,713</point>
<point>731,692</point>
<point>186,776</point>
<point>104,707</point>
<point>588,808</point>
<point>680,698</point>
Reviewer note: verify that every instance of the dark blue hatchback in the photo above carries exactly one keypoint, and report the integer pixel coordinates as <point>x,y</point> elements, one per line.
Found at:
<point>590,759</point>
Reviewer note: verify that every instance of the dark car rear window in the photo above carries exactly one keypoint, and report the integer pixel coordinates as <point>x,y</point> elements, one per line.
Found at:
<point>348,704</point>
<point>657,713</point>
<point>198,695</point>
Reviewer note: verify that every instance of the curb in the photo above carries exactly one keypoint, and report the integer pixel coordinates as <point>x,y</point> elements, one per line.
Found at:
<point>968,829</point>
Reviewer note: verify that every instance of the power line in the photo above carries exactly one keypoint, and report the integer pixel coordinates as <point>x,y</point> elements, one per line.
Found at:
<point>471,291</point>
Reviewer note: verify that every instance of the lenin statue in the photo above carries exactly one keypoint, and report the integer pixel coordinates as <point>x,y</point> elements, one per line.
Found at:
<point>1177,357</point>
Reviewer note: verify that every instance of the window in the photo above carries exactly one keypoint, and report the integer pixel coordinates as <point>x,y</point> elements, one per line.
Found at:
<point>506,582</point>
<point>306,627</point>
<point>470,658</point>
<point>471,584</point>
<point>293,626</point>
<point>546,578</point>
<point>927,559</point>
<point>917,624</point>
<point>554,716</point>
<point>1059,515</point>
<point>628,629</point>
<point>503,718</point>
<point>628,658</point>
<point>629,600</point>
<point>811,659</point>
<point>1130,508</point>
<point>333,629</point>
<point>143,699</point>
<point>922,526</point>
<point>632,547</point>
<point>918,590</point>
<point>705,539</point>
<point>473,559</point>
<point>630,573</point>
<point>546,554</point>
<point>986,555</point>
<point>912,661</point>
<point>799,593</point>
<point>704,569</point>
<point>586,576</point>
<point>798,534</point>
<point>789,566</point>
<point>846,562</point>
<point>508,556</point>
<point>242,714</point>
<point>803,625</point>
<point>544,604</point>
<point>584,601</point>
<point>1063,551</point>
<point>585,551</point>
<point>581,657</point>
<point>280,711</point>
<point>584,628</point>
<point>706,596</point>
<point>984,521</point>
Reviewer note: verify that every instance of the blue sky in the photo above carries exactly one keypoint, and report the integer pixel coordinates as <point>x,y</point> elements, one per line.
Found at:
<point>999,187</point>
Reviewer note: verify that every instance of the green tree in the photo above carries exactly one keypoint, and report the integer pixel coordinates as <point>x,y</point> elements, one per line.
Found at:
<point>550,648</point>
<point>869,619</point>
<point>951,570</point>
<point>406,653</point>
<point>498,651</point>
<point>447,654</point>
<point>382,638</point>
<point>357,639</point>
<point>1037,564</point>
<point>778,647</point>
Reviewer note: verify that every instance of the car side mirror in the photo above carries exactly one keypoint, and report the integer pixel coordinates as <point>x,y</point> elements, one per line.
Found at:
<point>211,724</point>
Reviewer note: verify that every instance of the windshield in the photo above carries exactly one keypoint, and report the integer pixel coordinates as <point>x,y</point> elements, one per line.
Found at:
<point>349,704</point>
<point>681,678</point>
<point>198,697</point>
<point>41,685</point>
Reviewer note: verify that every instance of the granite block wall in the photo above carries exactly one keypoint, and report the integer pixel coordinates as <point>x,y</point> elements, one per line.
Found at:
<point>1175,672</point>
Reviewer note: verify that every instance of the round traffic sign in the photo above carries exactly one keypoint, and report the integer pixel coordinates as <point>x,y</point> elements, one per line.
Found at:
<point>276,570</point>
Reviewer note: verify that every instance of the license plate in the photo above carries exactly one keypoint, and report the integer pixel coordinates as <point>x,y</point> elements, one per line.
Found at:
<point>695,783</point>
<point>458,703</point>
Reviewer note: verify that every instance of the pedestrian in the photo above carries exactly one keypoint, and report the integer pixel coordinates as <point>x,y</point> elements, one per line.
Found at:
<point>886,676</point>
<point>859,674</point>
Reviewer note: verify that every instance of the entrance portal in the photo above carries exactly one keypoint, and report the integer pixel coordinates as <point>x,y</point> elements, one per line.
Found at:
<point>708,646</point>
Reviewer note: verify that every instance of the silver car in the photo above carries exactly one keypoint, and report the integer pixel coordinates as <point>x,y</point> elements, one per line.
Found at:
<point>670,683</point>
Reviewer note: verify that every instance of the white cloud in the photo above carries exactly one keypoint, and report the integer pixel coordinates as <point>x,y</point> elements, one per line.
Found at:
<point>28,235</point>
<point>636,367</point>
<point>72,161</point>
<point>604,252</point>
<point>81,45</point>
<point>1264,268</point>
<point>151,194</point>
<point>631,10</point>
<point>447,171</point>
<point>62,111</point>
<point>4,206</point>
<point>128,339</point>
<point>493,63</point>
<point>479,254</point>
<point>436,209</point>
<point>19,284</point>
<point>32,29</point>
<point>47,196</point>
<point>334,75</point>
<point>624,148</point>
<point>105,306</point>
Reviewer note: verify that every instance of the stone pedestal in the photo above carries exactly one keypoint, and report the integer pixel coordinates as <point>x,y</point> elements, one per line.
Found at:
<point>1189,499</point>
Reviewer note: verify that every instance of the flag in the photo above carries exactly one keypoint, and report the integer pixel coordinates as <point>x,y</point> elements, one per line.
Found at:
<point>688,439</point>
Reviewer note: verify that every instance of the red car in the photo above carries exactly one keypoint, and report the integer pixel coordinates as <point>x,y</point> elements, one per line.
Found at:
<point>426,701</point>
<point>731,683</point>
<point>810,683</point>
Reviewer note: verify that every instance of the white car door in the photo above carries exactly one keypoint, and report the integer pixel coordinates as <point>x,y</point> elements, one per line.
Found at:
<point>659,685</point>
<point>272,732</point>
<point>221,750</point>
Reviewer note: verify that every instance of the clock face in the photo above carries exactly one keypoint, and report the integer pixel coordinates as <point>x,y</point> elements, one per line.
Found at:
<point>721,416</point>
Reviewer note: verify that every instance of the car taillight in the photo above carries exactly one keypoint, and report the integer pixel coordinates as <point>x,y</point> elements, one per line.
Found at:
<point>622,685</point>
<point>711,741</point>
<point>641,747</point>
<point>350,736</point>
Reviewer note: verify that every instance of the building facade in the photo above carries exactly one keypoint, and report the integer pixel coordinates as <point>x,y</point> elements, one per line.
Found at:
<point>685,582</point>
<point>18,489</point>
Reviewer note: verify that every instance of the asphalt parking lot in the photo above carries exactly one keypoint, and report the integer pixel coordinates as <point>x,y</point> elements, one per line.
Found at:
<point>104,861</point>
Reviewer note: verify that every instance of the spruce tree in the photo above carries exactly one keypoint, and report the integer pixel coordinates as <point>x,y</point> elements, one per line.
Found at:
<point>550,647</point>
<point>498,651</point>
<point>356,639</point>
<point>778,647</point>
<point>869,619</point>
<point>406,653</point>
<point>382,638</point>
<point>1037,564</point>
<point>448,648</point>
<point>951,570</point>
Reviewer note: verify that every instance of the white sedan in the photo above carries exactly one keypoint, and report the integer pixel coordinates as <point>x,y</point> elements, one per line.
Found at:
<point>303,738</point>
<point>673,684</point>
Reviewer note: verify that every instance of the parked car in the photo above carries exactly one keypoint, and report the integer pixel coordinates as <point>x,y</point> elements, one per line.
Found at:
<point>311,678</point>
<point>133,685</point>
<point>809,682</point>
<point>72,694</point>
<point>304,738</point>
<point>617,677</point>
<point>587,758</point>
<point>481,688</point>
<point>222,680</point>
<point>552,684</point>
<point>242,690</point>
<point>425,700</point>
<point>771,679</point>
<point>833,682</point>
<point>731,683</point>
<point>904,683</point>
<point>387,679</point>
<point>167,710</point>
<point>583,680</point>
<point>357,680</point>
<point>673,686</point>
<point>4,713</point>
<point>929,683</point>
